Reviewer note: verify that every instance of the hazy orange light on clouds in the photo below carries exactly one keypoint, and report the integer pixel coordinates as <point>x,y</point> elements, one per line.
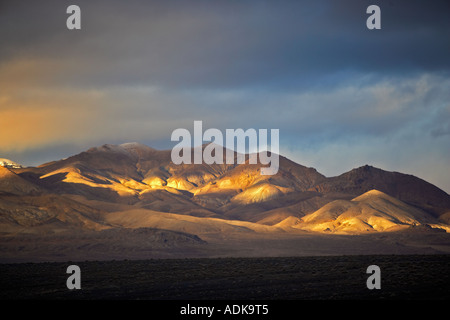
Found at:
<point>33,115</point>
<point>24,128</point>
<point>40,108</point>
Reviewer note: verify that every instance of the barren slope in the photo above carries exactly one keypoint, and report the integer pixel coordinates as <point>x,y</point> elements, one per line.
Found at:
<point>372,211</point>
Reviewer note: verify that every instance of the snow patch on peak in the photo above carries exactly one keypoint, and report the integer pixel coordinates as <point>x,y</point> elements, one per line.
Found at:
<point>131,149</point>
<point>108,148</point>
<point>9,164</point>
<point>134,145</point>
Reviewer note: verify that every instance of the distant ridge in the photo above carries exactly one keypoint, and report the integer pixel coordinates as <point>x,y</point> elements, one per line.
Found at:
<point>405,187</point>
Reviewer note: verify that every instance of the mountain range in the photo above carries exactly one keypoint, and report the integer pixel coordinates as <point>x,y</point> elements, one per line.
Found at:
<point>131,186</point>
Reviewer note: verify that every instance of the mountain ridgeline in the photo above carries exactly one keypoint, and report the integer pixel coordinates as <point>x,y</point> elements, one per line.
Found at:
<point>132,186</point>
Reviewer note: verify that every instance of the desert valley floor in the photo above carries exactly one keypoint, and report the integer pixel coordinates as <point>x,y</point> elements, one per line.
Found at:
<point>403,277</point>
<point>149,243</point>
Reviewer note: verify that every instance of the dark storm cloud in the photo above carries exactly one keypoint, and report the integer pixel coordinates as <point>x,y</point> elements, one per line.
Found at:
<point>282,44</point>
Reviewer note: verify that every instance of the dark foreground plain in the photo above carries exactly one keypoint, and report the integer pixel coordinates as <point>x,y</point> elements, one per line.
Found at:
<point>282,278</point>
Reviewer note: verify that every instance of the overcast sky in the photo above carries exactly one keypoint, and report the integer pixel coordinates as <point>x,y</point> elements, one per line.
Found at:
<point>341,95</point>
